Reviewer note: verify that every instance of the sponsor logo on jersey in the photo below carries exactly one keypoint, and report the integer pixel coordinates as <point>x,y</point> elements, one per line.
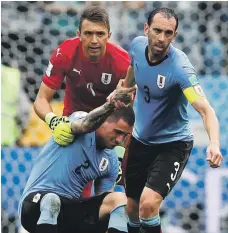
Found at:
<point>161,81</point>
<point>193,80</point>
<point>49,68</point>
<point>103,164</point>
<point>77,71</point>
<point>106,78</point>
<point>198,90</point>
<point>58,53</point>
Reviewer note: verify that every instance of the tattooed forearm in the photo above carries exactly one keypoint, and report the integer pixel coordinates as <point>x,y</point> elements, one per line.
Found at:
<point>97,117</point>
<point>94,119</point>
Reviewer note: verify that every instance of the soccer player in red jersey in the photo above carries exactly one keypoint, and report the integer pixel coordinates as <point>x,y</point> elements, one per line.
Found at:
<point>92,67</point>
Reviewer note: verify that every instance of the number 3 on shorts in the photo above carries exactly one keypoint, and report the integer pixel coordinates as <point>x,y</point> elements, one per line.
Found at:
<point>177,166</point>
<point>173,176</point>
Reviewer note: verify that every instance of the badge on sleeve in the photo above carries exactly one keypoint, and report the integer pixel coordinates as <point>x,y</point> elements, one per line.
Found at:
<point>193,80</point>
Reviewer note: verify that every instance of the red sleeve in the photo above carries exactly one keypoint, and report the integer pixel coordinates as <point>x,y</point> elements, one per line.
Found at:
<point>122,65</point>
<point>57,69</point>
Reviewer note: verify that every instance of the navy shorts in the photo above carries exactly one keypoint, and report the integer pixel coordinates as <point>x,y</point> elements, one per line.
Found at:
<point>157,166</point>
<point>76,215</point>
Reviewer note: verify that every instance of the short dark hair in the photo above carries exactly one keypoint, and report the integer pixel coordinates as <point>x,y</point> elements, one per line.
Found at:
<point>167,12</point>
<point>125,113</point>
<point>95,14</point>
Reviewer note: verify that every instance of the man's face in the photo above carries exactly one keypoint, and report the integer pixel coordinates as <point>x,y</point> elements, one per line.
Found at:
<point>112,134</point>
<point>94,37</point>
<point>160,34</point>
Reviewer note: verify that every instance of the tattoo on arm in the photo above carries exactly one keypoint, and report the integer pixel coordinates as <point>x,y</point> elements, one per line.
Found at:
<point>93,120</point>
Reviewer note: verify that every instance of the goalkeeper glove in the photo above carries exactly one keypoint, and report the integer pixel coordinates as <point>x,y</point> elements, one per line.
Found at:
<point>60,127</point>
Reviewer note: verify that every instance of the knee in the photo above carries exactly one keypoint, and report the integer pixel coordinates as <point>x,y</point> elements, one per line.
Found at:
<point>50,202</point>
<point>149,206</point>
<point>116,199</point>
<point>119,199</point>
<point>49,209</point>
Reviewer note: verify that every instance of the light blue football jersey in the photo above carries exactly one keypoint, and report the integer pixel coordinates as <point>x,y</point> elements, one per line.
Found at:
<point>160,105</point>
<point>66,170</point>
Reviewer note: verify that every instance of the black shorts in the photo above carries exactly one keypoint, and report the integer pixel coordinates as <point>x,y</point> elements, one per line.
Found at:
<point>76,215</point>
<point>157,166</point>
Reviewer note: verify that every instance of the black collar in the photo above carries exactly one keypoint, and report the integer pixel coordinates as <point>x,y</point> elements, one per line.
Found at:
<point>155,63</point>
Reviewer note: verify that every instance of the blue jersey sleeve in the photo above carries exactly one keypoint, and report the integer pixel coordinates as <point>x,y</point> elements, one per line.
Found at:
<point>186,75</point>
<point>107,182</point>
<point>136,42</point>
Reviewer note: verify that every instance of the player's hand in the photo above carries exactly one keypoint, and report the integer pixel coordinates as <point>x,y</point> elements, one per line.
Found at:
<point>61,129</point>
<point>120,87</point>
<point>130,91</point>
<point>122,98</point>
<point>120,84</point>
<point>111,95</point>
<point>214,156</point>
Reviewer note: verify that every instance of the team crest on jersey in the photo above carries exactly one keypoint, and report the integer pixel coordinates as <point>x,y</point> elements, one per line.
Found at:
<point>103,164</point>
<point>161,81</point>
<point>106,78</point>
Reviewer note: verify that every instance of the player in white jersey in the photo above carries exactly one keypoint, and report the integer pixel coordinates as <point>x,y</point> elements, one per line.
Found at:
<point>161,141</point>
<point>51,199</point>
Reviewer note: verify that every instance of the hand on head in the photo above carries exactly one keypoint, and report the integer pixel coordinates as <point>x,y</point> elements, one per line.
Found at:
<point>130,91</point>
<point>122,97</point>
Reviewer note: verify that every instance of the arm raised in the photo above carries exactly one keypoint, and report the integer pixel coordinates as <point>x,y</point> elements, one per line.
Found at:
<point>96,117</point>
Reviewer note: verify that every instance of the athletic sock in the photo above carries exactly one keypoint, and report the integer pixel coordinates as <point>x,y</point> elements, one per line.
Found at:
<point>133,226</point>
<point>118,220</point>
<point>146,229</point>
<point>150,225</point>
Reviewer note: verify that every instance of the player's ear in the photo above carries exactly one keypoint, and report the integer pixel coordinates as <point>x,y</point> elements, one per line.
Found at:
<point>146,29</point>
<point>109,35</point>
<point>175,35</point>
<point>79,34</point>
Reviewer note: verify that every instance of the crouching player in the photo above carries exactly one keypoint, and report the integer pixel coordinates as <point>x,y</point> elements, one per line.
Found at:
<point>51,199</point>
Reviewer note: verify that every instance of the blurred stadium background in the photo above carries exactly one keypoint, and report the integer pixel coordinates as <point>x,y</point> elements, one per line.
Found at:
<point>30,31</point>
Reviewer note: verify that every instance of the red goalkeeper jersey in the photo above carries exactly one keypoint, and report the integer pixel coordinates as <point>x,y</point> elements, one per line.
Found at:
<point>87,83</point>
